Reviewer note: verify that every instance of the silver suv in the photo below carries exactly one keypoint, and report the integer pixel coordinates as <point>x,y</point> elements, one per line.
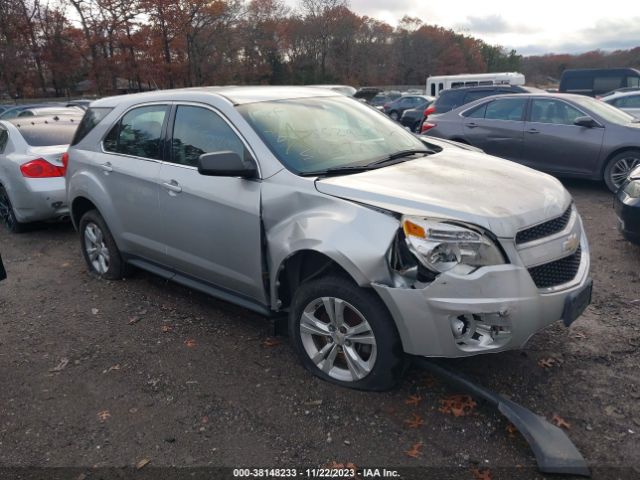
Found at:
<point>376,242</point>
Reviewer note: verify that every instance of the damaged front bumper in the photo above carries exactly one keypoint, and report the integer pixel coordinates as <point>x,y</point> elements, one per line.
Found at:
<point>490,310</point>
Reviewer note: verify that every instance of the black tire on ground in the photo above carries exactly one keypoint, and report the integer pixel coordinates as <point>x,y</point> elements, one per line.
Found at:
<point>394,115</point>
<point>7,215</point>
<point>117,267</point>
<point>389,361</point>
<point>613,172</point>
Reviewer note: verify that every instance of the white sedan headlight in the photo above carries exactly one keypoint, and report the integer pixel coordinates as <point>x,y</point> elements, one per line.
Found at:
<point>633,189</point>
<point>441,246</point>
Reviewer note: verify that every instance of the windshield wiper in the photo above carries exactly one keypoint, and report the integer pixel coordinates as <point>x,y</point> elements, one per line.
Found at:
<point>337,170</point>
<point>399,155</point>
<point>346,169</point>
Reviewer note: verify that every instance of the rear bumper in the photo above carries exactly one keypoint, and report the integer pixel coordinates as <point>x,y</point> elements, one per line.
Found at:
<point>502,297</point>
<point>37,199</point>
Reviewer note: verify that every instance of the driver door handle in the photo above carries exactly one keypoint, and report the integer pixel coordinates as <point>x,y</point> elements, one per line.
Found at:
<point>107,167</point>
<point>533,131</point>
<point>173,186</point>
<point>471,125</point>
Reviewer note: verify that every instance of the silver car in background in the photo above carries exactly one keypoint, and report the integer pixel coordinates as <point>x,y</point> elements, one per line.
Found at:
<point>375,242</point>
<point>627,101</point>
<point>50,111</point>
<point>32,184</point>
<point>564,134</point>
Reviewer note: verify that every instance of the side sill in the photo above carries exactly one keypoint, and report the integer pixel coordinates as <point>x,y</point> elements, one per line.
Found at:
<point>201,286</point>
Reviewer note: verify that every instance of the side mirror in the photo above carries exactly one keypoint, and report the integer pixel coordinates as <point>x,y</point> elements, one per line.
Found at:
<point>226,164</point>
<point>586,122</point>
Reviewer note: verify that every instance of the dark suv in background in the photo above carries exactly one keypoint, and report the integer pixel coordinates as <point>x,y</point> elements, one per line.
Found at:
<point>456,97</point>
<point>596,82</point>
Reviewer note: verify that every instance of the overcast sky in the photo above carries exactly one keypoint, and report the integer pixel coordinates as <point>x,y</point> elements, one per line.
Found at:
<point>531,28</point>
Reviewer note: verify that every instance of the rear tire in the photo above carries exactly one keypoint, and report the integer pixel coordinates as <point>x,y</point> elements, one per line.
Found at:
<point>99,249</point>
<point>7,215</point>
<point>347,335</point>
<point>394,116</point>
<point>619,167</point>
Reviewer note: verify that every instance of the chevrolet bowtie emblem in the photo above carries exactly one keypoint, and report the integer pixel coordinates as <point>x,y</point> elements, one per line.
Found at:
<point>571,244</point>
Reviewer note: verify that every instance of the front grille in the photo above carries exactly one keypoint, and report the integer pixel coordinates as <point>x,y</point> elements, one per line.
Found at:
<point>544,229</point>
<point>557,272</point>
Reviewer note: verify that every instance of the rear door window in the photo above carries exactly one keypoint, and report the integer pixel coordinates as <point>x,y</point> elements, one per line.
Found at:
<point>477,112</point>
<point>138,132</point>
<point>505,109</point>
<point>92,117</point>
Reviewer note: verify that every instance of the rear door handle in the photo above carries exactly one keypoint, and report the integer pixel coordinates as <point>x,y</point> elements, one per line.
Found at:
<point>107,167</point>
<point>533,130</point>
<point>173,186</point>
<point>471,125</point>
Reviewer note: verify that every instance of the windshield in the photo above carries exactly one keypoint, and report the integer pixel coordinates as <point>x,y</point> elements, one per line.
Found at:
<point>604,110</point>
<point>314,134</point>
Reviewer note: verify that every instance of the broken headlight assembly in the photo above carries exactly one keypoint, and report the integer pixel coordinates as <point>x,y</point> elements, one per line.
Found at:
<point>440,246</point>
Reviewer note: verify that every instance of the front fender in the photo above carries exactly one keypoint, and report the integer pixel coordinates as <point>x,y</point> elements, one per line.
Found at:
<point>300,218</point>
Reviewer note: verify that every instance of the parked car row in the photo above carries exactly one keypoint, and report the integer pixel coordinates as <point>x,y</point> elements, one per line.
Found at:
<point>397,107</point>
<point>197,185</point>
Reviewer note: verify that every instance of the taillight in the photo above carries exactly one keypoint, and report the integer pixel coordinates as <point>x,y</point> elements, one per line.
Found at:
<point>65,162</point>
<point>40,168</point>
<point>427,126</point>
<point>430,110</point>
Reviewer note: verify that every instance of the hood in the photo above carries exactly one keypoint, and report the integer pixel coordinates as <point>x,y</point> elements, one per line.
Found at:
<point>458,184</point>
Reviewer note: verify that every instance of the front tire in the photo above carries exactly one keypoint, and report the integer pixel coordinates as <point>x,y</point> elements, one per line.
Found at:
<point>344,334</point>
<point>619,168</point>
<point>99,248</point>
<point>7,215</point>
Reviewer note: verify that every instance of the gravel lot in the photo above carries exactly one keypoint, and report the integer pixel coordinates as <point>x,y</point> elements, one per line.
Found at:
<point>108,374</point>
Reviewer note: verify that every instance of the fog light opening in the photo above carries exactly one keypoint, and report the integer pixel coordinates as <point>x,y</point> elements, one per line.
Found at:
<point>459,326</point>
<point>477,332</point>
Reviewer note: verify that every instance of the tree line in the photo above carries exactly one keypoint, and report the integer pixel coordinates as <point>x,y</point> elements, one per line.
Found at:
<point>111,46</point>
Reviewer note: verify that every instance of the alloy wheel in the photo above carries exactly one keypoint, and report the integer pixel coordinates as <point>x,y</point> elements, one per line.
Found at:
<point>96,248</point>
<point>622,168</point>
<point>338,339</point>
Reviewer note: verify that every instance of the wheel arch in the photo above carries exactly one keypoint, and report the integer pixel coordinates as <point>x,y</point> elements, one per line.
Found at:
<point>618,151</point>
<point>302,266</point>
<point>79,206</point>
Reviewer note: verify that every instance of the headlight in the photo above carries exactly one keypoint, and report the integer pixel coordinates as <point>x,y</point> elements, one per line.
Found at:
<point>441,246</point>
<point>633,189</point>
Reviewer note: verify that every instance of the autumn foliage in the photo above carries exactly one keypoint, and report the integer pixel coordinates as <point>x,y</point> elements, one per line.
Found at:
<point>117,46</point>
<point>64,47</point>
